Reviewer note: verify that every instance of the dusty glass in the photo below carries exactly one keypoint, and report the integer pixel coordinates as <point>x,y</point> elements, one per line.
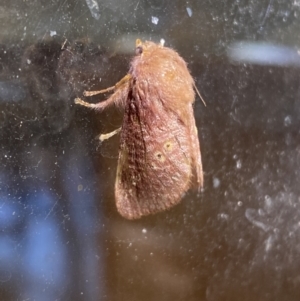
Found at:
<point>61,237</point>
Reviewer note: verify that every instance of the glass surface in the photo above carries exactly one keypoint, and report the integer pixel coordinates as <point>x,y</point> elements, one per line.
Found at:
<point>61,237</point>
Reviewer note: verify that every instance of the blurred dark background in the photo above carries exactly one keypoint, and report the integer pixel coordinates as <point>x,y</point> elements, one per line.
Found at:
<point>61,237</point>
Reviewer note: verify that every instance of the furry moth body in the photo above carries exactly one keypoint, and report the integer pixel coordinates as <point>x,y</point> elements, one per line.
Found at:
<point>159,156</point>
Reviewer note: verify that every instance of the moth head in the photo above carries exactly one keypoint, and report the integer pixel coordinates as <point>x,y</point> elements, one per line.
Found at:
<point>144,47</point>
<point>138,47</point>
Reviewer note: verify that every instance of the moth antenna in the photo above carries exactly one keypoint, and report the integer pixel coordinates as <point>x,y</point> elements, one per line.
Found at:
<point>200,95</point>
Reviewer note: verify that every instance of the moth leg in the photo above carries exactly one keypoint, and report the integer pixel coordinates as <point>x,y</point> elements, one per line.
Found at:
<point>103,137</point>
<point>92,93</point>
<point>123,81</point>
<point>118,98</point>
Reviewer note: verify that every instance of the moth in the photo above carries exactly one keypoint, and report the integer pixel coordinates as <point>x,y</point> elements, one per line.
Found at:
<point>159,155</point>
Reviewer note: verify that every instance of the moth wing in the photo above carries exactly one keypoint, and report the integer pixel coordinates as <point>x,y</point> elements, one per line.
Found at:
<point>156,161</point>
<point>195,151</point>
